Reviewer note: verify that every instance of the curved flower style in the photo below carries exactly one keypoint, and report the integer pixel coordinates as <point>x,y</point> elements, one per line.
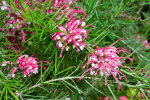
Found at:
<point>74,33</point>
<point>6,62</point>
<point>26,64</point>
<point>74,12</point>
<point>107,62</point>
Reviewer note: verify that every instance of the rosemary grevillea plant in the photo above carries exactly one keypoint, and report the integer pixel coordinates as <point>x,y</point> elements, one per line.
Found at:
<point>91,69</point>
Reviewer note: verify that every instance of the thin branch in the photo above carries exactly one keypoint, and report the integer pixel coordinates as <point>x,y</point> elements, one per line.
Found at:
<point>53,80</point>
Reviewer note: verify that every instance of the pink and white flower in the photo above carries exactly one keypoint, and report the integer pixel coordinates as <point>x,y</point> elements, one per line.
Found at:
<point>73,33</point>
<point>26,64</point>
<point>107,62</point>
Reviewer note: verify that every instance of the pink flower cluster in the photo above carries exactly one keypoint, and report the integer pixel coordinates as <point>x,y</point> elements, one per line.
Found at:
<point>26,64</point>
<point>107,62</point>
<point>72,33</point>
<point>13,27</point>
<point>14,22</point>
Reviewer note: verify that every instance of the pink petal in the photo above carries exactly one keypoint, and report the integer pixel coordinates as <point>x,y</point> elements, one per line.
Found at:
<point>116,42</point>
<point>13,71</point>
<point>117,81</point>
<point>61,51</point>
<point>23,36</point>
<point>6,62</point>
<point>22,56</point>
<point>145,42</point>
<point>148,45</point>
<point>61,28</point>
<point>85,72</point>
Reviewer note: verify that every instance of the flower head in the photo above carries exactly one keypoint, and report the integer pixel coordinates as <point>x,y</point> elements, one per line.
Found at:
<point>26,64</point>
<point>107,61</point>
<point>72,33</point>
<point>14,31</point>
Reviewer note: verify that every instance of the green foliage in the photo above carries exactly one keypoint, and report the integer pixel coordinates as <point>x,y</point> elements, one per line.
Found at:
<point>113,19</point>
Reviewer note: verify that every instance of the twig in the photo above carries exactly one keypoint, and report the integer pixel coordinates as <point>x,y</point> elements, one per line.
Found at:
<point>59,79</point>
